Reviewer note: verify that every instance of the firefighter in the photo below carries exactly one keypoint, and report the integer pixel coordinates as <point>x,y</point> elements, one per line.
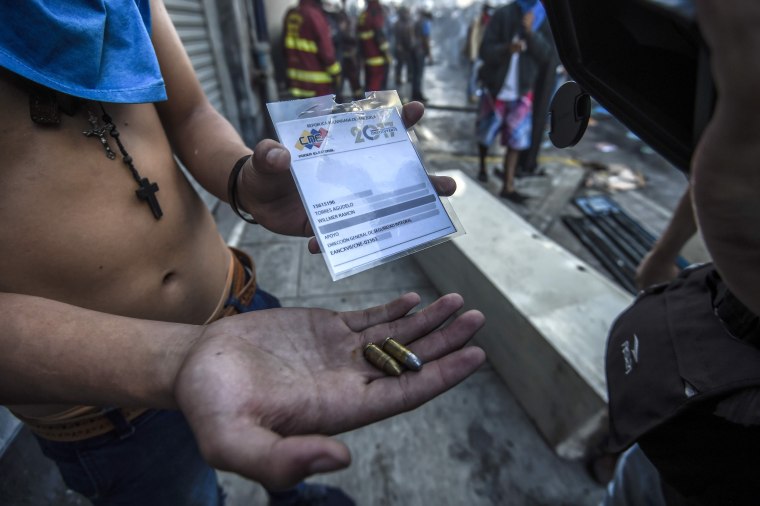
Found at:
<point>374,45</point>
<point>312,68</point>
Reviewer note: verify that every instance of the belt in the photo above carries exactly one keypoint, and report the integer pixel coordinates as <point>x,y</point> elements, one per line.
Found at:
<point>242,285</point>
<point>84,426</point>
<point>83,422</point>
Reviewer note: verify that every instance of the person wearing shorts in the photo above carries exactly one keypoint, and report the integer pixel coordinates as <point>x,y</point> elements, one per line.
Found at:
<point>516,41</point>
<point>513,119</point>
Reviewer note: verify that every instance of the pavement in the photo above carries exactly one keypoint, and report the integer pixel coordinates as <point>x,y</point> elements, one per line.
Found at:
<point>473,445</point>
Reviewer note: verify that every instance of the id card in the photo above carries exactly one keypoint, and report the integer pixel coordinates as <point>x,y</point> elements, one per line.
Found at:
<point>368,196</point>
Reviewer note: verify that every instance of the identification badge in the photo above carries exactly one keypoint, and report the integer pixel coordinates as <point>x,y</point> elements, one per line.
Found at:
<point>363,184</point>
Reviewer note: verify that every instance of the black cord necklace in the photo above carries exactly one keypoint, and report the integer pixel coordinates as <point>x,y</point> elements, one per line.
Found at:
<point>147,190</point>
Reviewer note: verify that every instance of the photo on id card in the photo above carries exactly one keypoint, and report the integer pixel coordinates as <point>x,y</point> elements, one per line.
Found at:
<point>362,181</point>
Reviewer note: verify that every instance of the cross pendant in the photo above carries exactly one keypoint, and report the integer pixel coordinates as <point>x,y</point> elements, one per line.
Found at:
<point>147,193</point>
<point>100,133</point>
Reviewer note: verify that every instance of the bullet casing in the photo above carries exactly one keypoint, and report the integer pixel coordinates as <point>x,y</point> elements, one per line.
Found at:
<point>402,354</point>
<point>382,360</point>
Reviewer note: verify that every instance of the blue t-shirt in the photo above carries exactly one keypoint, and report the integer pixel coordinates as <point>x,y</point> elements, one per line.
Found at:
<point>93,49</point>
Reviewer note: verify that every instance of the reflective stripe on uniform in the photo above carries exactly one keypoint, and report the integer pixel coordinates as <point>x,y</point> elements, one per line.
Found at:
<point>366,35</point>
<point>310,76</point>
<point>375,61</point>
<point>301,93</point>
<point>305,45</point>
<point>334,69</point>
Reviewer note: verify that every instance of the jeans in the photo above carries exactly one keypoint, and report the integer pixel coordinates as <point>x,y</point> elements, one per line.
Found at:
<point>151,461</point>
<point>636,482</point>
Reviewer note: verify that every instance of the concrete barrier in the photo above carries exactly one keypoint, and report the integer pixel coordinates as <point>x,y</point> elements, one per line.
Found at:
<point>547,314</point>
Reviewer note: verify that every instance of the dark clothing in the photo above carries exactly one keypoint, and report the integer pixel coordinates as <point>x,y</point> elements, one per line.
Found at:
<point>403,48</point>
<point>410,52</point>
<point>404,37</point>
<point>504,26</point>
<point>155,462</point>
<point>347,51</point>
<point>683,373</point>
<point>420,53</point>
<point>543,91</point>
<point>704,459</point>
<point>417,71</point>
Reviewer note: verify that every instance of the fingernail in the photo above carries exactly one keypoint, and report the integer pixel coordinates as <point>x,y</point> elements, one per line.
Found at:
<point>325,465</point>
<point>274,154</point>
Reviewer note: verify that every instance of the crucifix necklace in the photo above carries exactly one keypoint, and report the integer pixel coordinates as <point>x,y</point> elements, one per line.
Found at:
<point>147,190</point>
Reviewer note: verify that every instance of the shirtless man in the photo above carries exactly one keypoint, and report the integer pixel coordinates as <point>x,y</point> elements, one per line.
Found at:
<point>89,278</point>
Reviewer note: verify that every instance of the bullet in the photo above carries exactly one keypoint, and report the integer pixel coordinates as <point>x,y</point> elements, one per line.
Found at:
<point>402,354</point>
<point>382,360</point>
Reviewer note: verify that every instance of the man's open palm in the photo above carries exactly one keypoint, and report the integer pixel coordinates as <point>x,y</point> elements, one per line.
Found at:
<point>261,390</point>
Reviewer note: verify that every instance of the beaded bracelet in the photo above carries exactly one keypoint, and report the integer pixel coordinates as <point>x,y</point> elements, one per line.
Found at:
<point>232,191</point>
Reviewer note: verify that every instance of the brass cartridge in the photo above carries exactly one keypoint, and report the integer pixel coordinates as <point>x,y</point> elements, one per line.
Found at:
<point>382,360</point>
<point>402,354</point>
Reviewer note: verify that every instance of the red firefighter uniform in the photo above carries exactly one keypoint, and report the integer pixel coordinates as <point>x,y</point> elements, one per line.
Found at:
<point>312,69</point>
<point>374,45</point>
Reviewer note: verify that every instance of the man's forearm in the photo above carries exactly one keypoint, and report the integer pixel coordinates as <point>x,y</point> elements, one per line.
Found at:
<point>208,146</point>
<point>55,353</point>
<point>680,229</point>
<point>205,142</point>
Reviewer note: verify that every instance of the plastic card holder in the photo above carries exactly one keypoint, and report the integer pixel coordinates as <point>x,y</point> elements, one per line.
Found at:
<point>362,180</point>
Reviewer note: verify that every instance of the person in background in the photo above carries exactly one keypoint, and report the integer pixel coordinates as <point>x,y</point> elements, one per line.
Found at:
<point>425,29</point>
<point>475,33</point>
<point>421,53</point>
<point>516,44</point>
<point>548,79</point>
<point>312,67</point>
<point>374,46</point>
<point>349,51</point>
<point>403,47</point>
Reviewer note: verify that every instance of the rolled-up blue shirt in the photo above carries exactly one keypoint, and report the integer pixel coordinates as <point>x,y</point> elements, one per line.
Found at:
<point>93,49</point>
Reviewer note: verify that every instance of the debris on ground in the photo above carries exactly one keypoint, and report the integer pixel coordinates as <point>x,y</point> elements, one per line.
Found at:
<point>612,177</point>
<point>606,147</point>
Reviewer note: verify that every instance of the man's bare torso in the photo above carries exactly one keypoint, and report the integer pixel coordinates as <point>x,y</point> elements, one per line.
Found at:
<point>72,228</point>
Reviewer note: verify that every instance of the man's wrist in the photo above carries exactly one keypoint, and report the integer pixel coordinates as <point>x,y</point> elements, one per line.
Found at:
<point>664,253</point>
<point>177,349</point>
<point>232,190</point>
<point>163,350</point>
